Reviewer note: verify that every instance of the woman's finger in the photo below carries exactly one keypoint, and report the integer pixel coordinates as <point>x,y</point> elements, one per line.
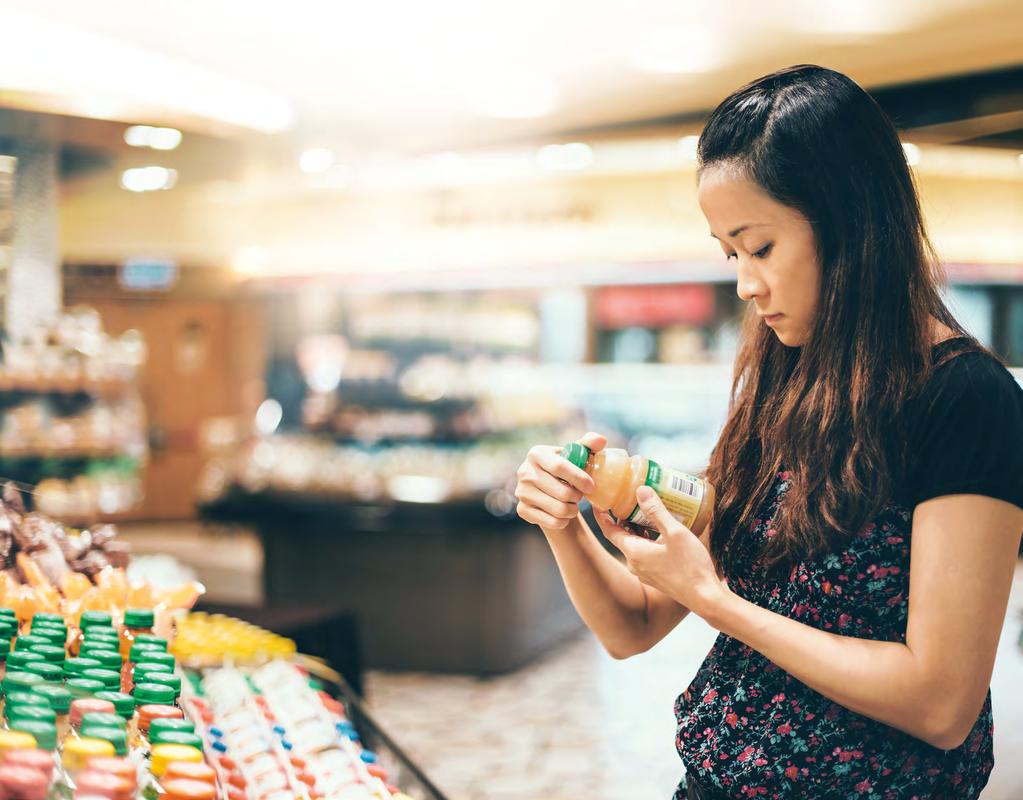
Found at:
<point>543,501</point>
<point>557,488</point>
<point>535,516</point>
<point>656,515</point>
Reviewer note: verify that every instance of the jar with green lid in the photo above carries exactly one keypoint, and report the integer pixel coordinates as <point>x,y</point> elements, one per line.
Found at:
<point>30,640</point>
<point>108,658</point>
<point>52,673</point>
<point>45,733</point>
<point>43,713</point>
<point>59,699</point>
<point>118,737</point>
<point>111,680</point>
<point>51,652</point>
<point>124,704</point>
<point>137,621</point>
<point>167,679</point>
<point>84,687</point>
<point>74,667</point>
<point>175,737</point>
<point>153,694</point>
<point>164,725</point>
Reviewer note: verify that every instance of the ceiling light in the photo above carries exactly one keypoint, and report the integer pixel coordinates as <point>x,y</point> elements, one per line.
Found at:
<point>250,260</point>
<point>565,157</point>
<point>148,179</point>
<point>912,153</point>
<point>521,96</point>
<point>315,160</point>
<point>679,49</point>
<point>156,138</point>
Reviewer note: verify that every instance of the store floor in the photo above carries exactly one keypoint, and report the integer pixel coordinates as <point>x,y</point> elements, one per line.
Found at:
<point>580,724</point>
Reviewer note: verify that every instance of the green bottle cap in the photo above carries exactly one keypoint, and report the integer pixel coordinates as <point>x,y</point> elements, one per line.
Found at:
<point>21,682</point>
<point>111,680</point>
<point>108,659</point>
<point>157,693</point>
<point>47,616</point>
<point>165,660</point>
<point>30,640</point>
<point>578,454</point>
<point>166,679</point>
<point>151,638</point>
<point>44,732</point>
<point>163,725</point>
<point>52,673</point>
<point>100,719</point>
<point>43,713</point>
<point>8,627</point>
<point>84,687</point>
<point>97,632</point>
<point>116,736</point>
<point>52,653</point>
<point>25,699</point>
<point>138,651</point>
<point>139,618</point>
<point>176,737</point>
<point>22,658</point>
<point>8,612</point>
<point>58,697</point>
<point>124,704</point>
<point>91,619</point>
<point>55,635</point>
<point>76,666</point>
<point>5,647</point>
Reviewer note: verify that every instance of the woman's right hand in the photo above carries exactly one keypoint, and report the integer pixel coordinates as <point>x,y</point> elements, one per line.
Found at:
<point>550,487</point>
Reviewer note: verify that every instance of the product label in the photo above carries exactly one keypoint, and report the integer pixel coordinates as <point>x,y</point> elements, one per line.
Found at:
<point>681,493</point>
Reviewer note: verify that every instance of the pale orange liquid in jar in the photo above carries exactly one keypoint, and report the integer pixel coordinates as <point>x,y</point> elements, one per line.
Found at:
<point>617,475</point>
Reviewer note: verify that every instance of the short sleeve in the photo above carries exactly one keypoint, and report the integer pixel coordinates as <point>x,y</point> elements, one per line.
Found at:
<point>967,437</point>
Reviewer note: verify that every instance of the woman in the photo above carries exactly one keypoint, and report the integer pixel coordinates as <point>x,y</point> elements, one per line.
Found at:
<point>869,480</point>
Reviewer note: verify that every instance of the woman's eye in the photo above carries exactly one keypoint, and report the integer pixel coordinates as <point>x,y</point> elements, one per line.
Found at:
<point>730,256</point>
<point>763,251</point>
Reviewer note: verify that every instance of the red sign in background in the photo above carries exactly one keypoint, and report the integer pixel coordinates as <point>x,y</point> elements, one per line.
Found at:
<point>655,306</point>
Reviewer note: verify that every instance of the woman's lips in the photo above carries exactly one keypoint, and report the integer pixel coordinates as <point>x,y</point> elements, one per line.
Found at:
<point>773,318</point>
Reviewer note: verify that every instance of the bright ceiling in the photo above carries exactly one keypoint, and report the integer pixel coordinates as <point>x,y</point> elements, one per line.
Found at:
<point>414,77</point>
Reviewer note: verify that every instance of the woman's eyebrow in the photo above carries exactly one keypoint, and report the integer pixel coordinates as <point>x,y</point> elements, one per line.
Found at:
<point>741,228</point>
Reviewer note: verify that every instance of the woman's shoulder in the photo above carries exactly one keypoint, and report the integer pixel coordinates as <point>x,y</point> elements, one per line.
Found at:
<point>966,372</point>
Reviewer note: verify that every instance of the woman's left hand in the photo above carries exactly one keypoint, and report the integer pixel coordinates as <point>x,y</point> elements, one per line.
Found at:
<point>677,563</point>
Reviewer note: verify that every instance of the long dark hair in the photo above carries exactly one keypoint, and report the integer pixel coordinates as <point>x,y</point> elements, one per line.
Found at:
<point>815,141</point>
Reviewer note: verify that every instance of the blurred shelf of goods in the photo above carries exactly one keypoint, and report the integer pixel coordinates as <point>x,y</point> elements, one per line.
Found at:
<point>72,421</point>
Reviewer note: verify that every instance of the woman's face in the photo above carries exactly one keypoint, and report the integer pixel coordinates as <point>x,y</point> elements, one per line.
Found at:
<point>774,249</point>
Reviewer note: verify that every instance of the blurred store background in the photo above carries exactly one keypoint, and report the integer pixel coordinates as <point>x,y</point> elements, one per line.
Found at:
<point>289,289</point>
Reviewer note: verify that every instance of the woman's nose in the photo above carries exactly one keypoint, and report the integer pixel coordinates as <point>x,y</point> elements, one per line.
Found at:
<point>749,285</point>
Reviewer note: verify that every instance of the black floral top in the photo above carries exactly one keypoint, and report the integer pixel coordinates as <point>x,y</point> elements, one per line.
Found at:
<point>751,730</point>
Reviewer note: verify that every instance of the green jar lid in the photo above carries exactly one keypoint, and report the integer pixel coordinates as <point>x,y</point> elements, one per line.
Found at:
<point>52,653</point>
<point>578,454</point>
<point>52,673</point>
<point>165,679</point>
<point>54,637</point>
<point>84,687</point>
<point>108,659</point>
<point>163,725</point>
<point>43,713</point>
<point>5,647</point>
<point>8,627</point>
<point>100,719</point>
<point>101,632</point>
<point>29,640</point>
<point>58,697</point>
<point>21,682</point>
<point>43,624</point>
<point>25,699</point>
<point>158,693</point>
<point>176,737</point>
<point>111,680</point>
<point>44,732</point>
<point>91,619</point>
<point>76,666</point>
<point>138,651</point>
<point>118,737</point>
<point>165,660</point>
<point>139,618</point>
<point>8,612</point>
<point>151,638</point>
<point>21,658</point>
<point>47,616</point>
<point>124,704</point>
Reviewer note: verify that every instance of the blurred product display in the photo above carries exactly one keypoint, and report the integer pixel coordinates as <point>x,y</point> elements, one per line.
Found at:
<point>72,421</point>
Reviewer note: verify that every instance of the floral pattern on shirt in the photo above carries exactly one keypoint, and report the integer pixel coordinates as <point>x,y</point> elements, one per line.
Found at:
<point>750,730</point>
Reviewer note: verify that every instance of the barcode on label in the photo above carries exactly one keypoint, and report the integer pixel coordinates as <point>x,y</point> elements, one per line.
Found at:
<point>682,485</point>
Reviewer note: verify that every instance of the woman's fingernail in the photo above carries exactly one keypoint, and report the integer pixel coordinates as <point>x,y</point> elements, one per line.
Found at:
<point>645,493</point>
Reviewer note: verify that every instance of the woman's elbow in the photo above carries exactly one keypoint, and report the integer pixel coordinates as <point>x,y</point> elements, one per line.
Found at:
<point>949,726</point>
